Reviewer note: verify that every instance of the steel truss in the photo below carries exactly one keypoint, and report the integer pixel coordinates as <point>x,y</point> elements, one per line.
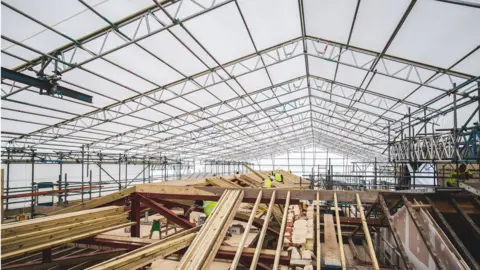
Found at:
<point>443,147</point>
<point>304,110</point>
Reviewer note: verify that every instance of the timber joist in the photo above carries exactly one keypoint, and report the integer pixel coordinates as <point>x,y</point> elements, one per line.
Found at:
<point>207,242</point>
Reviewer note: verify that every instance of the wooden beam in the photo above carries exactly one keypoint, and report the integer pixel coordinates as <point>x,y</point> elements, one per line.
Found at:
<point>62,241</point>
<point>331,251</point>
<point>224,228</point>
<point>261,237</point>
<point>423,233</point>
<point>466,217</point>
<point>466,255</point>
<point>395,235</point>
<point>241,245</point>
<point>207,242</point>
<point>45,223</point>
<point>96,202</point>
<point>257,222</point>
<point>262,177</point>
<point>266,255</point>
<point>36,237</point>
<point>369,211</point>
<point>214,193</point>
<point>339,233</point>
<point>420,206</point>
<point>147,254</point>
<point>282,233</point>
<point>162,210</point>
<point>319,245</point>
<point>68,260</point>
<point>368,239</point>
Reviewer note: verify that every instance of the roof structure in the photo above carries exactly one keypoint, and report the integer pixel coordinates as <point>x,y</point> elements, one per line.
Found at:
<point>236,79</point>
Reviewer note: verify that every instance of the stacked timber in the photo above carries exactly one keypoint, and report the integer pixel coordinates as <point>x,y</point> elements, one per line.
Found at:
<point>33,235</point>
<point>222,182</point>
<point>149,253</point>
<point>204,247</point>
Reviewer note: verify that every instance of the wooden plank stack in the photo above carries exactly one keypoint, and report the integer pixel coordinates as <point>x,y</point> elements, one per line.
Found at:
<point>147,254</point>
<point>222,182</point>
<point>37,234</point>
<point>204,247</point>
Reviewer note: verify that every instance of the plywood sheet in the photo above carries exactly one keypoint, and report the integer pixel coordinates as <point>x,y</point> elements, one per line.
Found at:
<point>415,247</point>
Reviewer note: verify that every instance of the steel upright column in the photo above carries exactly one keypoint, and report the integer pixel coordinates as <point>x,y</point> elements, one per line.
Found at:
<point>135,216</point>
<point>89,173</point>
<point>90,185</point>
<point>455,131</point>
<point>65,181</point>
<point>410,147</point>
<point>126,169</point>
<point>83,156</point>
<point>60,179</point>
<point>119,172</point>
<point>32,202</point>
<point>7,189</point>
<point>100,177</point>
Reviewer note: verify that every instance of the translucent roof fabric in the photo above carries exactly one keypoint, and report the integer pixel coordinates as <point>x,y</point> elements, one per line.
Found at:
<point>236,79</point>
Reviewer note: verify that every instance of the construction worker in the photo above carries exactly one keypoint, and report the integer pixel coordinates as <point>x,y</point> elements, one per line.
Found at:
<point>267,183</point>
<point>279,177</point>
<point>208,207</point>
<point>463,174</point>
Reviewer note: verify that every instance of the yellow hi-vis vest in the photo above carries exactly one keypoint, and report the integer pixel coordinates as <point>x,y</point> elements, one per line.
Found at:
<point>452,178</point>
<point>278,177</point>
<point>267,183</point>
<point>208,207</point>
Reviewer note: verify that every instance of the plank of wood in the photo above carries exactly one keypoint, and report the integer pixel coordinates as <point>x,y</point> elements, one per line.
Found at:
<point>211,222</point>
<point>208,240</point>
<point>282,233</point>
<point>43,223</point>
<point>241,245</point>
<point>221,182</point>
<point>339,233</point>
<point>368,239</point>
<point>223,232</point>
<point>42,239</point>
<point>148,253</point>
<point>319,246</point>
<point>257,222</point>
<point>97,201</point>
<point>261,236</point>
<point>259,175</point>
<point>331,251</point>
<point>55,231</point>
<point>62,241</point>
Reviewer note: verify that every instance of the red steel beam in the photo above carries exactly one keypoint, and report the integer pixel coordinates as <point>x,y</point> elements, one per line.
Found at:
<point>135,214</point>
<point>162,210</point>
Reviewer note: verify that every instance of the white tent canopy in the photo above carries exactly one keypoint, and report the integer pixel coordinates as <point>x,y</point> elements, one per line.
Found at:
<point>237,79</point>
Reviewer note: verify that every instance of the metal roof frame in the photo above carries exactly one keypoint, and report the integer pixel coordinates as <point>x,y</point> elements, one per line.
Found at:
<point>305,110</point>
